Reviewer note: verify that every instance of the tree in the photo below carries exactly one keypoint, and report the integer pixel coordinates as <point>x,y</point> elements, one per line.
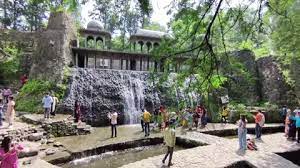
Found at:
<point>12,14</point>
<point>104,11</point>
<point>155,26</point>
<point>35,15</point>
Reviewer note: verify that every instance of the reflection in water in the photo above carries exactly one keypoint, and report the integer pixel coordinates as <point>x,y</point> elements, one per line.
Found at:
<point>116,159</point>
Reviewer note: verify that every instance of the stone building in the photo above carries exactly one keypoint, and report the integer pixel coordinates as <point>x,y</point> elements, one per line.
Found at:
<point>94,51</point>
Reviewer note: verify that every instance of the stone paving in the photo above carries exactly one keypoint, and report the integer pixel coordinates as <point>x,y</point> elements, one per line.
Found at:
<point>212,155</point>
<point>223,152</point>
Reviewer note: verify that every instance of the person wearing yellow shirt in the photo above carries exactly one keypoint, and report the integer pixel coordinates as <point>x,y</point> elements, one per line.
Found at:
<point>147,118</point>
<point>169,141</point>
<point>225,114</point>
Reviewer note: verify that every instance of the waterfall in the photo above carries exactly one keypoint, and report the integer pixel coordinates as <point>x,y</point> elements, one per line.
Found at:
<point>134,98</point>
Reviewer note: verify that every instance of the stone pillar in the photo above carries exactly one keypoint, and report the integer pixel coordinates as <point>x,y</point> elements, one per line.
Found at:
<point>134,44</point>
<point>76,60</point>
<point>84,65</point>
<point>95,61</point>
<point>95,41</point>
<point>104,45</point>
<point>148,64</point>
<point>85,42</point>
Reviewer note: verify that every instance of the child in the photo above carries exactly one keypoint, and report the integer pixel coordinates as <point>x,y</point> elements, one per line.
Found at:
<point>292,128</point>
<point>242,132</point>
<point>1,111</point>
<point>9,153</point>
<point>251,144</point>
<point>297,121</point>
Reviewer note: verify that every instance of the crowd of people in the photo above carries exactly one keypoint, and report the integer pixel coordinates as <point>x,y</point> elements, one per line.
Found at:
<point>291,120</point>
<point>187,118</point>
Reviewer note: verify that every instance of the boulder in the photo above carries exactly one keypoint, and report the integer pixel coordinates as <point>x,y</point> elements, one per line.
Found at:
<point>50,151</point>
<point>35,136</point>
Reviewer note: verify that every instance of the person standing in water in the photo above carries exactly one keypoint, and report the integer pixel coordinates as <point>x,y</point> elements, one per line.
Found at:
<point>169,141</point>
<point>113,122</point>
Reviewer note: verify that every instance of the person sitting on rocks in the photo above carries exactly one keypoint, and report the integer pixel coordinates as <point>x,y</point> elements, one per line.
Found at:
<point>251,144</point>
<point>9,153</point>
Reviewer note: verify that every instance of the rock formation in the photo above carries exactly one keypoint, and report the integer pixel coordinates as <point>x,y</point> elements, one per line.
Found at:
<point>53,52</point>
<point>273,87</point>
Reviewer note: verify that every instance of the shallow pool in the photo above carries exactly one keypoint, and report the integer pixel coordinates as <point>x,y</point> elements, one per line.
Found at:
<point>116,159</point>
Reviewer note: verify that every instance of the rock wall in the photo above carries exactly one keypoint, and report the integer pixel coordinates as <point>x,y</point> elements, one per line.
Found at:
<point>295,76</point>
<point>102,91</point>
<point>273,87</point>
<point>242,87</point>
<point>53,52</point>
<point>27,41</point>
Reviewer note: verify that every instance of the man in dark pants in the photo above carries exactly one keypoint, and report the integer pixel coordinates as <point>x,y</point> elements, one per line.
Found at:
<point>147,119</point>
<point>169,140</point>
<point>113,121</point>
<point>259,123</point>
<point>142,120</point>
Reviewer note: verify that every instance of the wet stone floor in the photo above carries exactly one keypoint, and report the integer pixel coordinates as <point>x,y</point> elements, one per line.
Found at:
<point>115,159</point>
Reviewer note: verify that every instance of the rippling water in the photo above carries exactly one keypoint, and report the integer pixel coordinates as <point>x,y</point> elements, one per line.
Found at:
<point>116,159</point>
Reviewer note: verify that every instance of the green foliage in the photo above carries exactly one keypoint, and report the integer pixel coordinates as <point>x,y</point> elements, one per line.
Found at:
<point>239,109</point>
<point>10,67</point>
<point>30,97</point>
<point>155,26</point>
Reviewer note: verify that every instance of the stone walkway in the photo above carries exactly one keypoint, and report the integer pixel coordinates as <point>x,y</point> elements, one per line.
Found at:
<point>223,152</point>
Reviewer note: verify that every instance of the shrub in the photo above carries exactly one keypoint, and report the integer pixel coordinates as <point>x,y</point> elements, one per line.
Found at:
<point>238,109</point>
<point>30,97</point>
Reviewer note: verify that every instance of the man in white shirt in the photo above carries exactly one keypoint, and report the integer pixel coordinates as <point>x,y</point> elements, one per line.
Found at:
<point>113,122</point>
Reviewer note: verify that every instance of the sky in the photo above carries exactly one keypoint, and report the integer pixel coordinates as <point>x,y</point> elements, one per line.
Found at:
<point>159,11</point>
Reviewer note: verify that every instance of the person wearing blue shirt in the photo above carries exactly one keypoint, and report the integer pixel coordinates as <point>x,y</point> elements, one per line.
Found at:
<point>47,103</point>
<point>297,119</point>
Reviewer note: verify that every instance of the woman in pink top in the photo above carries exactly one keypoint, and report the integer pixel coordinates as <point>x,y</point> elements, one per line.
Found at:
<point>9,153</point>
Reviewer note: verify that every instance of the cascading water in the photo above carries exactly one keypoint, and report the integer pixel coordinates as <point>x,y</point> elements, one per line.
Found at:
<point>134,98</point>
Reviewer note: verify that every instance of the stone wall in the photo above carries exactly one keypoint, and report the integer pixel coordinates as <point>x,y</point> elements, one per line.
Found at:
<point>66,128</point>
<point>26,41</point>
<point>273,87</point>
<point>53,52</point>
<point>242,87</point>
